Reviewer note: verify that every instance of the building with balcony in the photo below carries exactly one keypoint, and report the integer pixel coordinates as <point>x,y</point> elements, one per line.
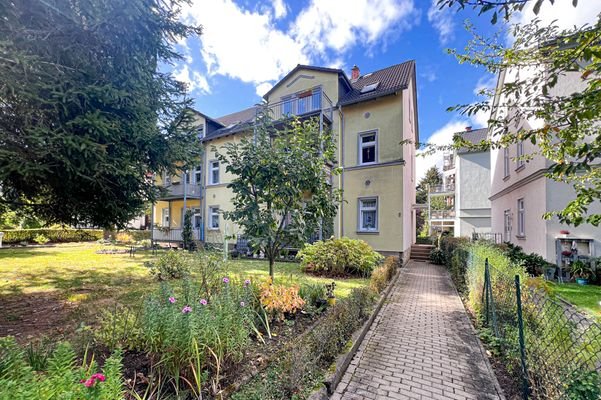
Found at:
<point>369,115</point>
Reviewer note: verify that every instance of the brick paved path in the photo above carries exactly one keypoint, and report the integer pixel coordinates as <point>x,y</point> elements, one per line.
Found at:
<point>421,346</point>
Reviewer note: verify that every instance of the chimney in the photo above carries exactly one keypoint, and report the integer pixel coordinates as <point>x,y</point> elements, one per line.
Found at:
<point>355,73</point>
<point>468,128</point>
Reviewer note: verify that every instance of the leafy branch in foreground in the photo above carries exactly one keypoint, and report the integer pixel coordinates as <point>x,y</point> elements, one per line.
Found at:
<point>549,94</point>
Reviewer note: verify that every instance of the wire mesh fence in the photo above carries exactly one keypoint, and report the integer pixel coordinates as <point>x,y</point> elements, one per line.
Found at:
<point>551,348</point>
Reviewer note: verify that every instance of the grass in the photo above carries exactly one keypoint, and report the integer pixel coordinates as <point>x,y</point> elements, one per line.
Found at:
<point>587,298</point>
<point>76,274</point>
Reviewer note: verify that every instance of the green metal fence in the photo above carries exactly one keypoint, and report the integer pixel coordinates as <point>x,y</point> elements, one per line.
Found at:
<point>551,348</point>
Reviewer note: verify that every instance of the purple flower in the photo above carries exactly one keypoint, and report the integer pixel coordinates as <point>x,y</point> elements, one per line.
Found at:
<point>247,282</point>
<point>171,299</point>
<point>187,309</point>
<point>226,280</point>
<point>203,302</point>
<point>242,304</point>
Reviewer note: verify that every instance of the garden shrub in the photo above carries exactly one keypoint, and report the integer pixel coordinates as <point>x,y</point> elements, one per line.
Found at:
<point>300,365</point>
<point>313,294</point>
<point>339,257</point>
<point>63,377</point>
<point>534,263</point>
<point>41,239</point>
<point>280,300</point>
<point>170,265</point>
<point>118,328</point>
<point>124,237</point>
<point>383,274</point>
<point>12,236</point>
<point>437,256</point>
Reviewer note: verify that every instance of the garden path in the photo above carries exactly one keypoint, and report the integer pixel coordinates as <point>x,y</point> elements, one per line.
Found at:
<point>420,346</point>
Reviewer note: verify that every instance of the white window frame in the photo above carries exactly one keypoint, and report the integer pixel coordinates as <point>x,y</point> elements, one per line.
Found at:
<point>197,174</point>
<point>165,217</point>
<point>520,153</point>
<point>361,208</point>
<point>362,145</point>
<point>506,162</point>
<point>213,211</point>
<point>507,225</point>
<point>212,169</point>
<point>166,179</point>
<point>521,217</point>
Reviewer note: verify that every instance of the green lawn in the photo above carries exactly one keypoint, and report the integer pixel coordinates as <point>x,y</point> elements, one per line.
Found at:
<point>76,275</point>
<point>587,298</point>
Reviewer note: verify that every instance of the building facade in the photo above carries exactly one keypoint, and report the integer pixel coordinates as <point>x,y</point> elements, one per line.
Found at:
<point>373,118</point>
<point>521,193</point>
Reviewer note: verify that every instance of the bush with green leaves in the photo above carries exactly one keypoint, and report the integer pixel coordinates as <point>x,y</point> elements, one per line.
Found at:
<point>534,263</point>
<point>41,239</point>
<point>339,257</point>
<point>53,235</point>
<point>314,295</point>
<point>303,362</point>
<point>62,377</point>
<point>437,256</point>
<point>383,274</point>
<point>170,265</point>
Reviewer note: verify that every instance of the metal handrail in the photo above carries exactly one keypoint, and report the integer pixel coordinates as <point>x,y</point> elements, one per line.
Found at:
<point>299,106</point>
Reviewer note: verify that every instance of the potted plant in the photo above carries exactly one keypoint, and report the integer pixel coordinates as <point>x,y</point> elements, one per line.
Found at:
<point>582,271</point>
<point>330,293</point>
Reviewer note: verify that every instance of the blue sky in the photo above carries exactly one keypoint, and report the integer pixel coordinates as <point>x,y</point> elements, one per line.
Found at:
<point>247,46</point>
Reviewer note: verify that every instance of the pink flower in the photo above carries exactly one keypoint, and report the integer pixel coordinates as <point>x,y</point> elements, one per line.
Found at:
<point>186,309</point>
<point>247,282</point>
<point>99,377</point>
<point>242,304</point>
<point>89,383</point>
<point>203,302</point>
<point>171,299</point>
<point>226,280</point>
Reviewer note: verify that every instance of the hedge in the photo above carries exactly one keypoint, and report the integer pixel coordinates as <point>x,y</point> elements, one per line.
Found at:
<point>55,235</point>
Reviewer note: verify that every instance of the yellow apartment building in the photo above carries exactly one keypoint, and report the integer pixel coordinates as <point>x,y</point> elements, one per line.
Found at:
<point>374,120</point>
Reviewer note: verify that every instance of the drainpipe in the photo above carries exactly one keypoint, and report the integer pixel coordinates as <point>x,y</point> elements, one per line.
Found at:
<point>341,178</point>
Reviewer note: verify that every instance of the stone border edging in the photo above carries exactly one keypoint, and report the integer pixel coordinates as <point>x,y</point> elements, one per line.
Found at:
<point>343,361</point>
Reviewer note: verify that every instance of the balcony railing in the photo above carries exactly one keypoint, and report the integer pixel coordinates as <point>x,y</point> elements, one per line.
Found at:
<point>439,189</point>
<point>172,235</point>
<point>314,103</point>
<point>442,214</point>
<point>490,236</point>
<point>177,190</point>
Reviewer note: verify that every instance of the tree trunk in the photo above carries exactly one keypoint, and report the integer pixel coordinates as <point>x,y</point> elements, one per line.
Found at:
<point>271,262</point>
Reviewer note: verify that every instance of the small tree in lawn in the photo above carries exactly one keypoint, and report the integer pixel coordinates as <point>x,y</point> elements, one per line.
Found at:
<point>187,236</point>
<point>281,190</point>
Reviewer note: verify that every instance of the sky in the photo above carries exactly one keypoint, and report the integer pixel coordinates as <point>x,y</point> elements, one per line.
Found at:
<point>247,46</point>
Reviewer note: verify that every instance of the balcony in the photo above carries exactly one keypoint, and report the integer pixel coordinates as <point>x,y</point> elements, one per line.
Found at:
<point>172,235</point>
<point>442,189</point>
<point>313,103</point>
<point>176,191</point>
<point>448,162</point>
<point>441,215</point>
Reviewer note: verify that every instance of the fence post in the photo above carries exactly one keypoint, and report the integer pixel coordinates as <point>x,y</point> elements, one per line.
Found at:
<point>518,293</point>
<point>486,291</point>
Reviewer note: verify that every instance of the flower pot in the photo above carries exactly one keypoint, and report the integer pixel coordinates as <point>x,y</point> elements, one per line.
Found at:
<point>582,281</point>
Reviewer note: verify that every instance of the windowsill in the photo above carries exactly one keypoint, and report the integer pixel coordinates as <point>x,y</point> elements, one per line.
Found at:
<point>368,232</point>
<point>213,229</point>
<point>520,237</point>
<point>367,163</point>
<point>506,178</point>
<point>521,167</point>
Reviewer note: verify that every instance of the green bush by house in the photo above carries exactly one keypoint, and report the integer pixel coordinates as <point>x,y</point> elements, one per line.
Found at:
<point>339,257</point>
<point>53,235</point>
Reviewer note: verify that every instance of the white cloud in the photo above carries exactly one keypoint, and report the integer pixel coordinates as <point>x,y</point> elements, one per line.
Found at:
<point>442,21</point>
<point>442,137</point>
<point>193,79</point>
<point>563,13</point>
<point>339,24</point>
<point>247,45</point>
<point>263,88</point>
<point>279,8</point>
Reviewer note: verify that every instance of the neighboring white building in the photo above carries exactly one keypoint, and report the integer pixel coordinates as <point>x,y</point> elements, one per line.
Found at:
<point>520,193</point>
<point>472,186</point>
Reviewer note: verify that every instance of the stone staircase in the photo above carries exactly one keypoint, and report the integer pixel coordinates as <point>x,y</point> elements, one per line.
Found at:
<point>421,252</point>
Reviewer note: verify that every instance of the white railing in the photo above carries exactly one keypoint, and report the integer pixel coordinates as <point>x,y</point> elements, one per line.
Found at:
<point>449,188</point>
<point>299,106</point>
<point>177,190</point>
<point>172,235</point>
<point>442,214</point>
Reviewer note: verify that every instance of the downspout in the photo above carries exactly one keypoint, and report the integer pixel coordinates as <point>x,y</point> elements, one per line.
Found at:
<point>341,178</point>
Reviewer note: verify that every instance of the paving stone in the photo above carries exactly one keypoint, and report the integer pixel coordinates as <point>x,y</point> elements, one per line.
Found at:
<point>420,346</point>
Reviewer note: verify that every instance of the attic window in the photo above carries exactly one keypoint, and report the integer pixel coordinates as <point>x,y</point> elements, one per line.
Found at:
<point>366,75</point>
<point>370,88</point>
